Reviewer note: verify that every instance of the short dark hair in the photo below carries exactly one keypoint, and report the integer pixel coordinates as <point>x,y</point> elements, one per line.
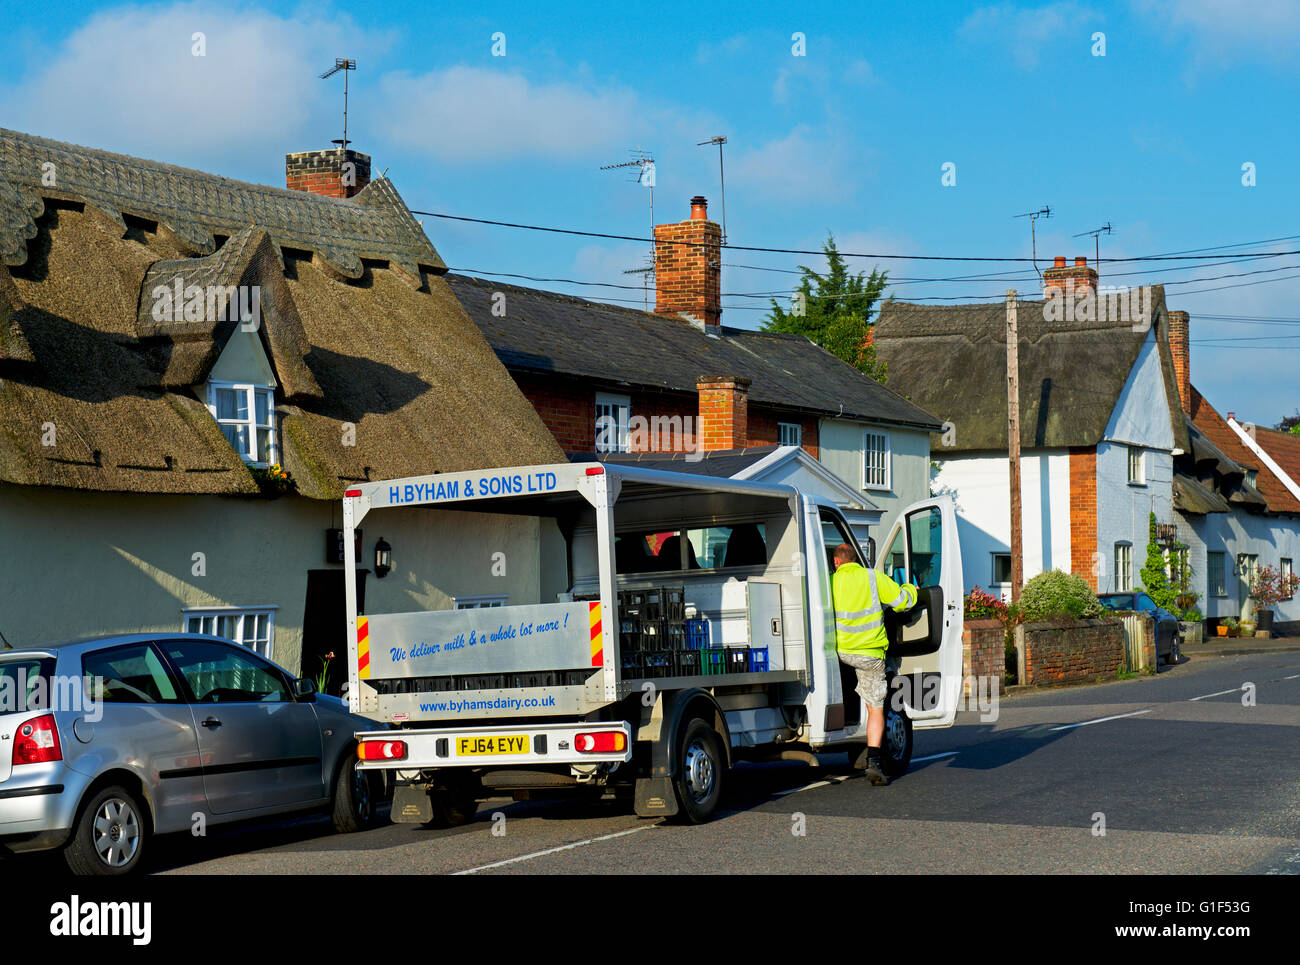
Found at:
<point>845,553</point>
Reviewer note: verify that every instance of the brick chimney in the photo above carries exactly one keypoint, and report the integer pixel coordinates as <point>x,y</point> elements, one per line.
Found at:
<point>1077,280</point>
<point>336,173</point>
<point>688,269</point>
<point>724,412</point>
<point>1179,323</point>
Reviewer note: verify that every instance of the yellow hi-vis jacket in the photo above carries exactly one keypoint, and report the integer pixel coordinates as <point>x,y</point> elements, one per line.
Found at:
<point>860,596</point>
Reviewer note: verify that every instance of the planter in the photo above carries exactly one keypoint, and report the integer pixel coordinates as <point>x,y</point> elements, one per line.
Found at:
<point>1221,630</point>
<point>1192,632</point>
<point>1247,629</point>
<point>1264,620</point>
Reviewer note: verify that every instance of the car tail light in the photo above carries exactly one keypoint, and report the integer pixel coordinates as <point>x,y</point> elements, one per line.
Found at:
<point>37,742</point>
<point>382,750</point>
<point>600,742</point>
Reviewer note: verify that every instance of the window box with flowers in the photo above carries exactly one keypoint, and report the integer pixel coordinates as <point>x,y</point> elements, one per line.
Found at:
<point>274,480</point>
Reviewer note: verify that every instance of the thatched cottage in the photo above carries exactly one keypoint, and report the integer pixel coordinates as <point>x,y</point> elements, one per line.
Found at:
<point>168,337</point>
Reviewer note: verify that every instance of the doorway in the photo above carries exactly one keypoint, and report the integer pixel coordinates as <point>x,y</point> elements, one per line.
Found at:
<point>325,625</point>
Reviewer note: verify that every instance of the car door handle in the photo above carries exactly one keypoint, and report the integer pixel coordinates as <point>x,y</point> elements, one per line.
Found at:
<point>212,722</point>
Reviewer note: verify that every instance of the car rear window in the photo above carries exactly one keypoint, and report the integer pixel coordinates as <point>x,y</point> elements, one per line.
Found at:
<point>25,684</point>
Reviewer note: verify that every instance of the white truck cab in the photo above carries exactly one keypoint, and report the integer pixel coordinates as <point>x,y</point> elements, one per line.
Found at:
<point>697,630</point>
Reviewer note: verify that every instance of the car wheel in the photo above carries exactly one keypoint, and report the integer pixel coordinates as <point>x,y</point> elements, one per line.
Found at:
<point>355,798</point>
<point>110,835</point>
<point>896,744</point>
<point>698,775</point>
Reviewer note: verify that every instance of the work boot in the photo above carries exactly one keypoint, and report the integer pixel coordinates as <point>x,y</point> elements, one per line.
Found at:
<point>875,773</point>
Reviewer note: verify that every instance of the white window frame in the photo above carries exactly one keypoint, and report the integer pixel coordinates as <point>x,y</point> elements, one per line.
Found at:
<point>1124,570</point>
<point>251,424</point>
<point>1252,478</point>
<point>1287,569</point>
<point>789,434</point>
<point>621,408</point>
<point>994,581</point>
<point>1137,466</point>
<point>478,602</point>
<point>886,455</point>
<point>202,613</point>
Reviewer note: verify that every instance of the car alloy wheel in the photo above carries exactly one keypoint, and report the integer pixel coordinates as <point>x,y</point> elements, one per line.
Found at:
<point>116,832</point>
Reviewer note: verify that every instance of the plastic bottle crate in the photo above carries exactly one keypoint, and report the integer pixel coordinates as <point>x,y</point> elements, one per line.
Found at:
<point>737,659</point>
<point>713,660</point>
<point>657,663</point>
<point>665,603</point>
<point>688,663</point>
<point>697,634</point>
<point>757,659</point>
<point>674,635</point>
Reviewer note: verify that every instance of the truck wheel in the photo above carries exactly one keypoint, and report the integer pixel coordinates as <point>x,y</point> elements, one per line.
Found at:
<point>896,745</point>
<point>354,798</point>
<point>110,835</point>
<point>698,776</point>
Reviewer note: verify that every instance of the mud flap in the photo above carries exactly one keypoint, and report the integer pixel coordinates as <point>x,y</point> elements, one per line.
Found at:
<point>411,804</point>
<point>654,797</point>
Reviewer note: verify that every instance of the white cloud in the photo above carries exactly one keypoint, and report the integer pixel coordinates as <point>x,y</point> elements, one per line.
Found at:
<point>128,79</point>
<point>797,167</point>
<point>1225,33</point>
<point>1026,33</point>
<point>463,114</point>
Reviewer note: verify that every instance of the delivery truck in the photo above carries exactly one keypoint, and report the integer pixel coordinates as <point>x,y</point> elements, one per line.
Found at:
<point>695,629</point>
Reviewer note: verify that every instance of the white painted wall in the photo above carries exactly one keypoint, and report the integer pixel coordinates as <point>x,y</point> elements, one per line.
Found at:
<point>1123,510</point>
<point>981,485</point>
<point>840,449</point>
<point>1271,538</point>
<point>89,563</point>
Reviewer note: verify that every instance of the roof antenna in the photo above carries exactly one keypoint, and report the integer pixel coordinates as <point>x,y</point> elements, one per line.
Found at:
<point>1033,216</point>
<point>646,176</point>
<point>720,139</point>
<point>343,64</point>
<point>1096,237</point>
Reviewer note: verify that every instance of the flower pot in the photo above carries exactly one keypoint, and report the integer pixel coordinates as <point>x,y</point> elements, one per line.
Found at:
<point>1221,630</point>
<point>1264,620</point>
<point>1247,629</point>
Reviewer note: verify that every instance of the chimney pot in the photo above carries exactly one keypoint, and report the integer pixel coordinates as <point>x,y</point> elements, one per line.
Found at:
<point>1080,261</point>
<point>699,208</point>
<point>1060,261</point>
<point>1232,415</point>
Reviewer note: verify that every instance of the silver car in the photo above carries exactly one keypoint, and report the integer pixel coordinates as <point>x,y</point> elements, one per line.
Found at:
<point>107,742</point>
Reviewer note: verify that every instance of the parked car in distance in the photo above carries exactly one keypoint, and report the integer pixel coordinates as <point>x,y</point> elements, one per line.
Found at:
<point>1168,634</point>
<point>105,743</point>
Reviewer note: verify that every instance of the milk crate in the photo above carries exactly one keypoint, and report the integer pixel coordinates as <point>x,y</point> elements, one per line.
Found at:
<point>713,660</point>
<point>737,660</point>
<point>697,634</point>
<point>688,663</point>
<point>758,659</point>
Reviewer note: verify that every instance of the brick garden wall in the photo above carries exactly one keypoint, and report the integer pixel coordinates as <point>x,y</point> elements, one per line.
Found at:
<point>983,652</point>
<point>1069,651</point>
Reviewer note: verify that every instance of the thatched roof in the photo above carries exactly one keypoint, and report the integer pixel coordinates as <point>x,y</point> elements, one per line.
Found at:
<point>548,333</point>
<point>86,365</point>
<point>952,360</point>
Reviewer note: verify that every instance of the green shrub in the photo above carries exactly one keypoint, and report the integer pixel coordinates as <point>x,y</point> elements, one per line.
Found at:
<point>1057,594</point>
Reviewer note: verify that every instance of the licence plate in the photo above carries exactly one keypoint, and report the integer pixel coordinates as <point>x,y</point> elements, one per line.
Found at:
<point>484,746</point>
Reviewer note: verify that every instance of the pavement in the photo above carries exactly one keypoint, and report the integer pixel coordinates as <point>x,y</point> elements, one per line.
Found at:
<point>1217,646</point>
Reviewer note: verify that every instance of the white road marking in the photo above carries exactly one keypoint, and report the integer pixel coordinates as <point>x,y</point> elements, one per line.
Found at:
<point>1102,720</point>
<point>563,847</point>
<point>1234,690</point>
<point>809,787</point>
<point>1292,677</point>
<point>934,757</point>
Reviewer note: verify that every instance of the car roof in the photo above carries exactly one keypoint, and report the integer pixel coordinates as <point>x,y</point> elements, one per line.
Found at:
<point>110,640</point>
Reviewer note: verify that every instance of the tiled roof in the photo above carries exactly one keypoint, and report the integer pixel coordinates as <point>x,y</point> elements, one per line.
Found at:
<point>546,332</point>
<point>1276,496</point>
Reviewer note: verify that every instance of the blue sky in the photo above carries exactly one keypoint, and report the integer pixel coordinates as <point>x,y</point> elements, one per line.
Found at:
<point>849,138</point>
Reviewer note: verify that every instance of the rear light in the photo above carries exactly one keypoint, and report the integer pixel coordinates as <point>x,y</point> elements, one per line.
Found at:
<point>382,750</point>
<point>37,742</point>
<point>601,742</point>
<point>352,492</point>
<point>595,470</point>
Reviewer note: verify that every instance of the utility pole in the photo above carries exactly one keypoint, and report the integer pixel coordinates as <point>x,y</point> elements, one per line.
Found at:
<point>1013,447</point>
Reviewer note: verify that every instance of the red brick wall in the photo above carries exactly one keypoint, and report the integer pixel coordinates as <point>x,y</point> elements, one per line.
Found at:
<point>567,408</point>
<point>763,429</point>
<point>688,277</point>
<point>1179,322</point>
<point>321,172</point>
<point>724,412</point>
<point>1077,279</point>
<point>1083,514</point>
<point>1067,652</point>
<point>983,652</point>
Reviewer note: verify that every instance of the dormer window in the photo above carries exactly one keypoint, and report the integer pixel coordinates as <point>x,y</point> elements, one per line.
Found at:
<point>246,414</point>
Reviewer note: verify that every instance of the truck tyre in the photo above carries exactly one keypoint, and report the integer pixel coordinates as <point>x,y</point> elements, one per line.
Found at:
<point>896,744</point>
<point>453,812</point>
<point>110,835</point>
<point>697,779</point>
<point>355,797</point>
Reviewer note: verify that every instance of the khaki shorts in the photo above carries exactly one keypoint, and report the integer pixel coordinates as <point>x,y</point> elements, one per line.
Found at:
<point>871,677</point>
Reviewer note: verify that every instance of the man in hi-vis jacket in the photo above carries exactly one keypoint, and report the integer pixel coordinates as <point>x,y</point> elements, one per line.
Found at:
<point>860,597</point>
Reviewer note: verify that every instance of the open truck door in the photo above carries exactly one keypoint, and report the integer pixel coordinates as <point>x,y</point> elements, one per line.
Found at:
<point>925,642</point>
